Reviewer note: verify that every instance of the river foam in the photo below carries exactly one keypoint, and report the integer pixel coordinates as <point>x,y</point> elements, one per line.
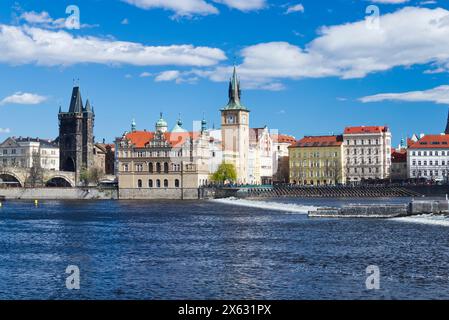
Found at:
<point>266,205</point>
<point>426,219</point>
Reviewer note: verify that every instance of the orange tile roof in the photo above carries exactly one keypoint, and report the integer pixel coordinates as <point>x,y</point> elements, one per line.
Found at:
<point>283,138</point>
<point>319,141</point>
<point>141,138</point>
<point>435,141</point>
<point>363,129</point>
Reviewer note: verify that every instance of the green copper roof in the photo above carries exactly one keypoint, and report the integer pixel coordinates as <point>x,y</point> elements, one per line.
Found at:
<point>161,123</point>
<point>178,127</point>
<point>235,94</point>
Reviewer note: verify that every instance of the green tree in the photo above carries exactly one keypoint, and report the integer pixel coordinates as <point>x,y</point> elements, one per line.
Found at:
<point>226,172</point>
<point>90,176</point>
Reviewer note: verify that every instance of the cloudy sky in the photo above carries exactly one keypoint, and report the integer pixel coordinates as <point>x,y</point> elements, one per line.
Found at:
<point>307,67</point>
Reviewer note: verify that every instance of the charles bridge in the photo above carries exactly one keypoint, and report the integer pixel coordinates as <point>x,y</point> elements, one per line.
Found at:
<point>19,177</point>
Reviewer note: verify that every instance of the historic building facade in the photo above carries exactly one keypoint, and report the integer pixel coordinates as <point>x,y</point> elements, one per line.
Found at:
<point>367,153</point>
<point>428,158</point>
<point>163,164</point>
<point>104,158</point>
<point>281,144</point>
<point>24,152</point>
<point>317,160</point>
<point>76,135</point>
<point>260,157</point>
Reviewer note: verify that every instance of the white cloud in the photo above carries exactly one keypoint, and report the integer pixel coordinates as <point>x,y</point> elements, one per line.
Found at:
<point>5,130</point>
<point>177,76</point>
<point>44,20</point>
<point>438,95</point>
<point>197,7</point>
<point>181,8</point>
<point>390,1</point>
<point>125,21</point>
<point>244,5</point>
<point>407,37</point>
<point>170,75</point>
<point>24,45</point>
<point>295,8</point>
<point>145,75</point>
<point>23,98</point>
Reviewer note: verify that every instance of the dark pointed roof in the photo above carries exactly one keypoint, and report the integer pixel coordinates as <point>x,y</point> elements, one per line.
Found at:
<point>76,103</point>
<point>235,93</point>
<point>88,108</point>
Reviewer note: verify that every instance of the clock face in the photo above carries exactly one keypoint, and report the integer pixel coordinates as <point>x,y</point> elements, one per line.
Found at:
<point>230,119</point>
<point>243,119</point>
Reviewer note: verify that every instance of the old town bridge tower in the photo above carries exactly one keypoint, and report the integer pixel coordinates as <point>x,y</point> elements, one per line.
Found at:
<point>76,135</point>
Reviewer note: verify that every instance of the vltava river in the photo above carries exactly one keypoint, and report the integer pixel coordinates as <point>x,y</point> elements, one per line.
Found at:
<point>211,250</point>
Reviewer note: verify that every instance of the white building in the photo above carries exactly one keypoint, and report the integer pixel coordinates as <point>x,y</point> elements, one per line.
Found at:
<point>367,153</point>
<point>216,150</point>
<point>18,152</point>
<point>261,156</point>
<point>281,165</point>
<point>428,158</point>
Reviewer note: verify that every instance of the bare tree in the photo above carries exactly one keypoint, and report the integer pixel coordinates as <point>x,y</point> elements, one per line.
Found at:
<point>35,175</point>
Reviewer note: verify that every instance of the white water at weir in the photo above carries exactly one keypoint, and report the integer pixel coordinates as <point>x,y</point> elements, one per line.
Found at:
<point>302,209</point>
<point>426,219</point>
<point>277,206</point>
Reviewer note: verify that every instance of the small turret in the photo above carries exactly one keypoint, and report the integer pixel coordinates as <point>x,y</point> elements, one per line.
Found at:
<point>161,125</point>
<point>178,127</point>
<point>133,126</point>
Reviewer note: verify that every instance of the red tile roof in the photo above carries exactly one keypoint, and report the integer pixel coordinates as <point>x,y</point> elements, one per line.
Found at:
<point>363,129</point>
<point>399,156</point>
<point>141,138</point>
<point>319,141</point>
<point>432,142</point>
<point>282,138</point>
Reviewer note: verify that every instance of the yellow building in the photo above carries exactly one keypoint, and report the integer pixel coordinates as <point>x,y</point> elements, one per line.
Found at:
<point>317,161</point>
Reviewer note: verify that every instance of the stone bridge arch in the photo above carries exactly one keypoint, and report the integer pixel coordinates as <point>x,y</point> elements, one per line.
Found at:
<point>59,179</point>
<point>9,176</point>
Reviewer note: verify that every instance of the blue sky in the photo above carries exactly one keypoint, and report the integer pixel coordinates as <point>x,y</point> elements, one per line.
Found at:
<point>307,67</point>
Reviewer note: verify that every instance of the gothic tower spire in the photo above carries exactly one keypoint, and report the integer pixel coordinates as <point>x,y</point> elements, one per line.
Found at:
<point>235,93</point>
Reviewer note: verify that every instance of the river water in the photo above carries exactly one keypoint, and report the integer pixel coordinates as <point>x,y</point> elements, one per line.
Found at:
<point>231,249</point>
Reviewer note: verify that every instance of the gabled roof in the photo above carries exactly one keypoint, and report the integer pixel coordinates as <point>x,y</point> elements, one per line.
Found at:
<point>319,141</point>
<point>436,141</point>
<point>9,142</point>
<point>282,138</point>
<point>363,129</point>
<point>176,139</point>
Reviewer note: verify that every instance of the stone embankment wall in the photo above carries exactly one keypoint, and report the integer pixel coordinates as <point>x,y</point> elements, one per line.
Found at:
<point>161,194</point>
<point>58,194</point>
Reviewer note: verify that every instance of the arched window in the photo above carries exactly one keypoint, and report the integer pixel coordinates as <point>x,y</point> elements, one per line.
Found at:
<point>139,183</point>
<point>166,167</point>
<point>150,183</point>
<point>165,183</point>
<point>176,183</point>
<point>158,167</point>
<point>150,167</point>
<point>158,183</point>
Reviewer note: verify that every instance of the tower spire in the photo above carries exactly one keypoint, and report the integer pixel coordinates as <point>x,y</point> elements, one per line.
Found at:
<point>235,93</point>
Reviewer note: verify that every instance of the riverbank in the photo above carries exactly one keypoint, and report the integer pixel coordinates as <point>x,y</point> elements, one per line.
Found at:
<point>58,194</point>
